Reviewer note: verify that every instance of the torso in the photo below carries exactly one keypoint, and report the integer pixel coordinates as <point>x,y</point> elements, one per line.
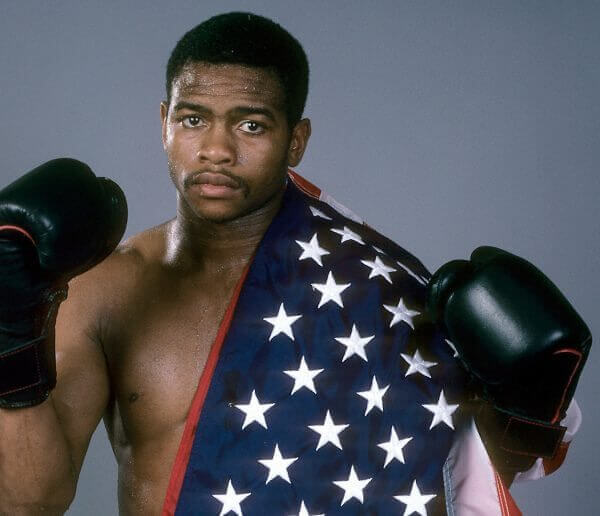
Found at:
<point>158,334</point>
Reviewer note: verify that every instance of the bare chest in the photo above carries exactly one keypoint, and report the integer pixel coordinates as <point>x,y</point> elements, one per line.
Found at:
<point>158,354</point>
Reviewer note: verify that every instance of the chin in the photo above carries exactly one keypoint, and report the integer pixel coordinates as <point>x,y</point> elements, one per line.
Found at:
<point>231,212</point>
<point>194,208</point>
<point>216,216</point>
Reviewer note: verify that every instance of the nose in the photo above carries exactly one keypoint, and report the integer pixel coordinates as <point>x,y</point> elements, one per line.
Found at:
<point>216,146</point>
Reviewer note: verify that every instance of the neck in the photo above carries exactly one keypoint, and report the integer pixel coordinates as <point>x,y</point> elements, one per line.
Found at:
<point>203,244</point>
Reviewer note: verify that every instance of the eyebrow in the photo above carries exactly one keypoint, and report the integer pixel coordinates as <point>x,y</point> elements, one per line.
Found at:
<point>238,110</point>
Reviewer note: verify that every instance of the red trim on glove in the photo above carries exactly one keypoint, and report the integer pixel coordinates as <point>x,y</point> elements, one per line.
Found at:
<point>18,230</point>
<point>578,354</point>
<point>551,465</point>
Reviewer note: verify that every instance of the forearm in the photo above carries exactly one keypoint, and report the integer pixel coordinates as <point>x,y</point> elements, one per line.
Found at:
<point>42,247</point>
<point>37,473</point>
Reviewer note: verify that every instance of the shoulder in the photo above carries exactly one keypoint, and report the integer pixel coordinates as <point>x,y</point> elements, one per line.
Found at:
<point>384,283</point>
<point>110,286</point>
<point>352,237</point>
<point>132,258</point>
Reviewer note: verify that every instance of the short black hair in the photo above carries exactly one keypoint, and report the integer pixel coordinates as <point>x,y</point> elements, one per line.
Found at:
<point>250,40</point>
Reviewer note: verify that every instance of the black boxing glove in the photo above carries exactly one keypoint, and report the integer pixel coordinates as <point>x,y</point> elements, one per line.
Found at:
<point>56,221</point>
<point>524,344</point>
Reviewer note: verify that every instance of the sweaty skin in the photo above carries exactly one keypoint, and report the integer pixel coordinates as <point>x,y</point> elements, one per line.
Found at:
<point>134,335</point>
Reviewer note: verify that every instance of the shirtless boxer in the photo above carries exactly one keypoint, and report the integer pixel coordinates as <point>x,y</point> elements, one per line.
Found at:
<point>133,337</point>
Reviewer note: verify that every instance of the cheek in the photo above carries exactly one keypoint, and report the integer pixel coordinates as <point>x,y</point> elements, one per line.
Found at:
<point>271,153</point>
<point>177,164</point>
<point>169,135</point>
<point>179,150</point>
<point>242,157</point>
<point>253,155</point>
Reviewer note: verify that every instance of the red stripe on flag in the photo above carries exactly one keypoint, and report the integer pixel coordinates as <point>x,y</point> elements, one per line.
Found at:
<point>508,507</point>
<point>305,185</point>
<point>185,447</point>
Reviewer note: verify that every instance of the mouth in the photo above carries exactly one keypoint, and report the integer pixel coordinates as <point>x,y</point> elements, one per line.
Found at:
<point>214,184</point>
<point>215,179</point>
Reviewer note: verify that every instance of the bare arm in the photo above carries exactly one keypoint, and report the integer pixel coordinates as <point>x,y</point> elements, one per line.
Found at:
<point>42,447</point>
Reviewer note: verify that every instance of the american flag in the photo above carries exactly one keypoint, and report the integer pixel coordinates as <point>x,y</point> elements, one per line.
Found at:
<point>329,392</point>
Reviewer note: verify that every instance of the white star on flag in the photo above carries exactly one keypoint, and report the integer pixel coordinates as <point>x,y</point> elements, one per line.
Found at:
<point>353,487</point>
<point>312,249</point>
<point>442,412</point>
<point>282,323</point>
<point>374,396</point>
<point>416,364</point>
<point>355,344</point>
<point>303,377</point>
<point>380,251</point>
<point>318,213</point>
<point>378,268</point>
<point>304,511</point>
<point>394,447</point>
<point>348,234</point>
<point>401,313</point>
<point>329,432</point>
<point>255,411</point>
<point>231,500</point>
<point>330,291</point>
<point>278,466</point>
<point>415,501</point>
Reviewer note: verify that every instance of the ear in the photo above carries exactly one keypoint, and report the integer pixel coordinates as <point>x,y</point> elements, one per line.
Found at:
<point>298,142</point>
<point>164,111</point>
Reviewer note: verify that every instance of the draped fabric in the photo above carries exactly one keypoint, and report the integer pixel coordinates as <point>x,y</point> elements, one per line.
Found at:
<point>327,391</point>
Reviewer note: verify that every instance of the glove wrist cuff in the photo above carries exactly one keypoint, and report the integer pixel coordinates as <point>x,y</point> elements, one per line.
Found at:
<point>28,369</point>
<point>23,373</point>
<point>514,441</point>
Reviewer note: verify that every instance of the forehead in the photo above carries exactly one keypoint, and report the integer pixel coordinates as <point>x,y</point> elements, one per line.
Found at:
<point>223,81</point>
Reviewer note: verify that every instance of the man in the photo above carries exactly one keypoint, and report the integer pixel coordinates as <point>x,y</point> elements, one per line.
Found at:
<point>140,329</point>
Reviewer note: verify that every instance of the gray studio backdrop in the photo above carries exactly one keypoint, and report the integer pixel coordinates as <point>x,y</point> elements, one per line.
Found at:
<point>446,125</point>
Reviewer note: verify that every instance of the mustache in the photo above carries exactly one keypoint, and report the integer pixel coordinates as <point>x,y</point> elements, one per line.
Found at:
<point>196,177</point>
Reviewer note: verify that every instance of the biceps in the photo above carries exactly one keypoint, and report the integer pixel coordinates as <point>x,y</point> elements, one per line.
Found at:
<point>82,387</point>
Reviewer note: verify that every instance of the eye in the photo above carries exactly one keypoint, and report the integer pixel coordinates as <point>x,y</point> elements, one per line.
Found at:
<point>250,126</point>
<point>191,121</point>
